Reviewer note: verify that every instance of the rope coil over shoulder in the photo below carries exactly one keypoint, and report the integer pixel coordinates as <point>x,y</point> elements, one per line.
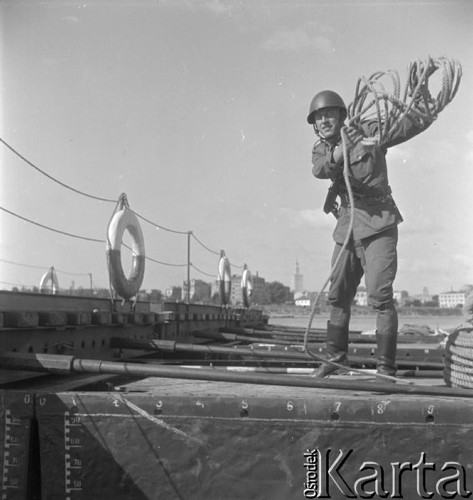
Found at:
<point>125,220</point>
<point>224,279</point>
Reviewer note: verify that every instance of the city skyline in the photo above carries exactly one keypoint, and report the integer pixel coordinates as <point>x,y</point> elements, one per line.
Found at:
<point>422,291</point>
<point>197,111</point>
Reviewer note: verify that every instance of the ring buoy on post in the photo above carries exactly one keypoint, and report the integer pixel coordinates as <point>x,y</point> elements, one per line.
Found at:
<point>49,275</point>
<point>224,279</point>
<point>246,286</point>
<point>125,220</point>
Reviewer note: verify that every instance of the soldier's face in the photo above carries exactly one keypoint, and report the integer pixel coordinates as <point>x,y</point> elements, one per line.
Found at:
<point>327,122</point>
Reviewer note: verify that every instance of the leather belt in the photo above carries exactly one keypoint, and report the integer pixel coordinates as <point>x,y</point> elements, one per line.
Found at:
<point>367,199</point>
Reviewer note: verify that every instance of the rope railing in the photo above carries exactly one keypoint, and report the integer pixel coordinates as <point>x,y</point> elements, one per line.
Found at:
<point>159,226</point>
<point>18,285</point>
<point>73,236</point>
<point>96,240</point>
<point>215,252</point>
<point>99,198</point>
<point>41,268</point>
<point>85,238</point>
<point>202,272</point>
<point>31,164</point>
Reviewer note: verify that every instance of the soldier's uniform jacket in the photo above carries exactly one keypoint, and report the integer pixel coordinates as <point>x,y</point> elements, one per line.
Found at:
<point>375,209</point>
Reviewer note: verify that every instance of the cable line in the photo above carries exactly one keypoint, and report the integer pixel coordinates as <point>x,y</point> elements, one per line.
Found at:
<point>200,243</point>
<point>108,200</point>
<point>202,272</point>
<point>211,251</point>
<point>155,260</point>
<point>50,228</point>
<point>42,268</point>
<point>24,265</point>
<point>165,263</point>
<point>71,274</point>
<point>52,178</point>
<point>16,284</point>
<point>158,225</point>
<point>75,236</point>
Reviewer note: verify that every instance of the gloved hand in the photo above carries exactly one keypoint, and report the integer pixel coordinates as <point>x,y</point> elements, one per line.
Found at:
<point>352,137</point>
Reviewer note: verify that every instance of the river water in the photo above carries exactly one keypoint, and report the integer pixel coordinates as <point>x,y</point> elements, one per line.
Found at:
<point>366,322</point>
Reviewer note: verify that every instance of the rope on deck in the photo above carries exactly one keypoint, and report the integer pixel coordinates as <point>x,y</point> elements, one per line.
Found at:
<point>458,370</point>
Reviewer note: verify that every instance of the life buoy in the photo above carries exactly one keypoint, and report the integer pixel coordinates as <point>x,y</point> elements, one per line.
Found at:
<point>224,279</point>
<point>246,287</point>
<point>123,220</point>
<point>49,275</point>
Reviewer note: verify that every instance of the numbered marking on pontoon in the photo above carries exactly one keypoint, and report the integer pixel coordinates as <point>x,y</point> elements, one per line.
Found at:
<point>12,448</point>
<point>72,458</point>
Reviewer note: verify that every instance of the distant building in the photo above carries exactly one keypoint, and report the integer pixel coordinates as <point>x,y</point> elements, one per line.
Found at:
<point>309,298</point>
<point>361,296</point>
<point>450,300</point>
<point>298,281</point>
<point>199,290</point>
<point>236,294</point>
<point>173,294</point>
<point>236,297</point>
<point>259,285</point>
<point>302,301</point>
<point>425,297</point>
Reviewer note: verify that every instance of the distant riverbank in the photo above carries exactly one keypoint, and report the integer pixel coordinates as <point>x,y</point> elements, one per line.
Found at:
<point>368,322</point>
<point>363,318</point>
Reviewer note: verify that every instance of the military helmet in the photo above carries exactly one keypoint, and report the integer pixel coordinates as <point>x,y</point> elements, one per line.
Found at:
<point>325,99</point>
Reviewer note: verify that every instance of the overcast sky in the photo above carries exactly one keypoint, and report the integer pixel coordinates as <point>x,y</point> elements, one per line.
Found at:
<point>197,111</point>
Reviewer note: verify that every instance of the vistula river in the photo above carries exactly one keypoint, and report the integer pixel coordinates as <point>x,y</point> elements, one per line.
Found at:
<point>365,322</point>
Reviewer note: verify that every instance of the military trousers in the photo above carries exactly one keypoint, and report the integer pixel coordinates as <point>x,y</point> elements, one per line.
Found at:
<point>375,258</point>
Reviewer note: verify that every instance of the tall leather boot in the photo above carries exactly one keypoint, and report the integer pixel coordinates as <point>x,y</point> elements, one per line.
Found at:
<point>386,339</point>
<point>386,354</point>
<point>337,348</point>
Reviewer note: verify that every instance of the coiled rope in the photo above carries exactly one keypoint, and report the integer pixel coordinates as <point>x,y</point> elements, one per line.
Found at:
<point>373,101</point>
<point>458,359</point>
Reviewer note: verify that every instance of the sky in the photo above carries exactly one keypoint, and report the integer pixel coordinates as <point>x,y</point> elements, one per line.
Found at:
<point>197,111</point>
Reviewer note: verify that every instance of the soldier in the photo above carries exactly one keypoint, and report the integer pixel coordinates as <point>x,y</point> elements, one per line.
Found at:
<point>372,248</point>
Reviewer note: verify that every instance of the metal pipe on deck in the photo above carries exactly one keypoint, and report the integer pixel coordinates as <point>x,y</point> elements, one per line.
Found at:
<point>249,334</point>
<point>173,346</point>
<point>70,364</point>
<point>241,338</point>
<point>310,371</point>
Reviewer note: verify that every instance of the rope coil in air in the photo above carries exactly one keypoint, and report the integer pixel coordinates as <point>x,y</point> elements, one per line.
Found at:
<point>373,101</point>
